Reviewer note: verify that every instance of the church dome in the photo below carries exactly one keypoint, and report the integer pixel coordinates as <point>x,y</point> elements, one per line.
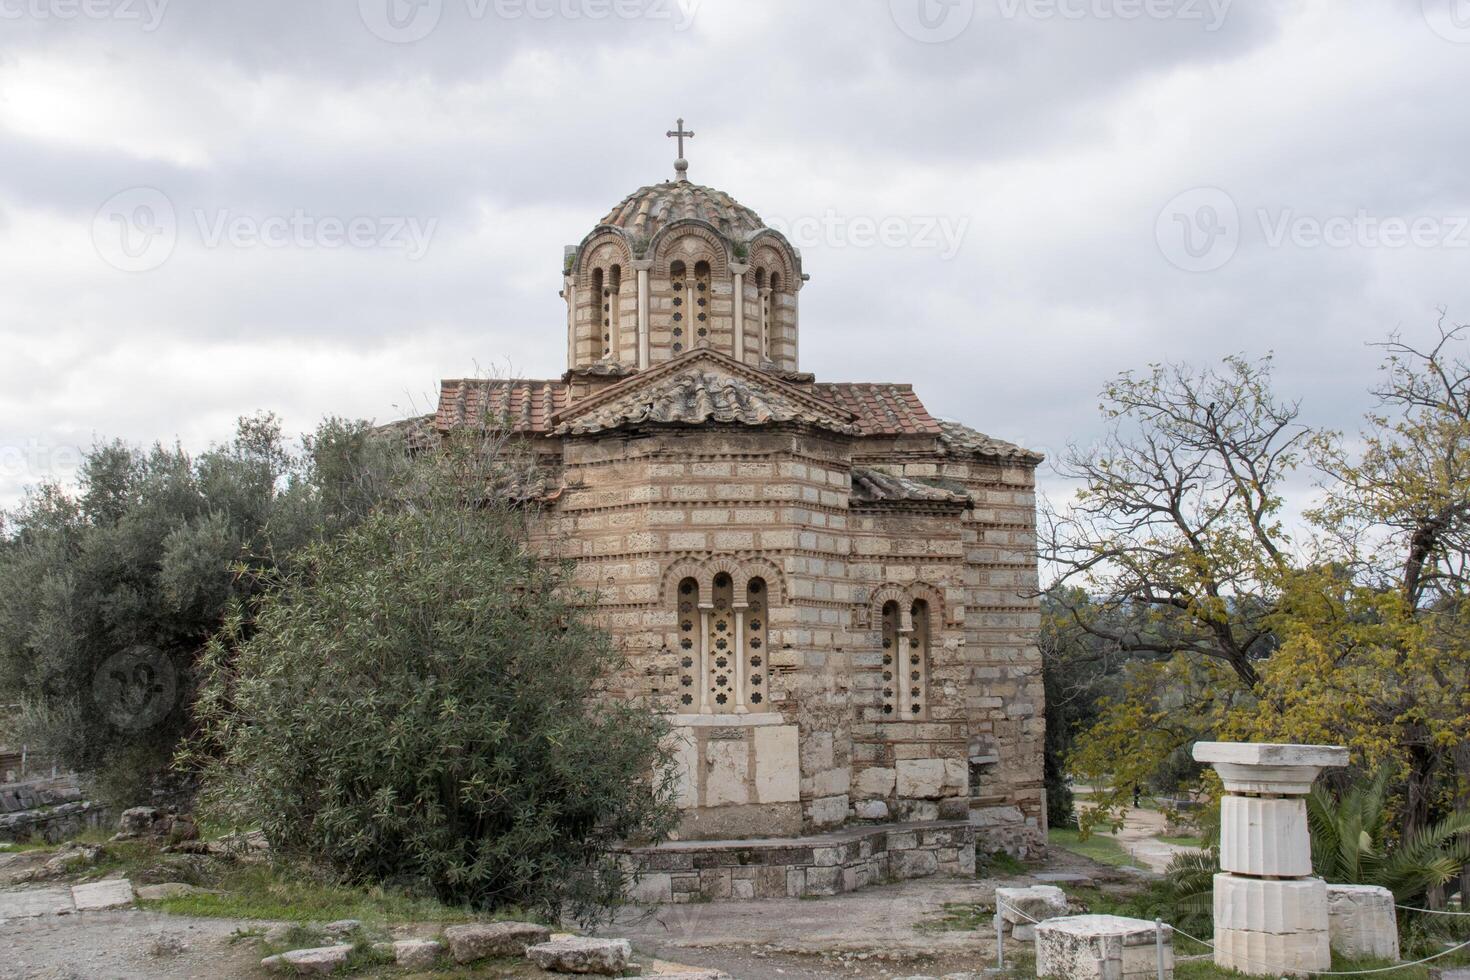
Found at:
<point>643,213</point>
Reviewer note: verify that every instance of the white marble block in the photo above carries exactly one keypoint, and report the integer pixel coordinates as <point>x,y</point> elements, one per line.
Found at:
<point>1361,921</point>
<point>1021,908</point>
<point>1265,767</point>
<point>1253,905</point>
<point>1273,953</point>
<point>1102,947</point>
<point>1265,836</point>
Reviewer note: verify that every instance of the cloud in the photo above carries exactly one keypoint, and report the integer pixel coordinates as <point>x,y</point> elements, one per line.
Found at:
<point>1050,134</point>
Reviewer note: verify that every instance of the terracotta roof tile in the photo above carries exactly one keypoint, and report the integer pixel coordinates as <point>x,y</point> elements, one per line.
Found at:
<point>528,403</point>
<point>882,409</point>
<point>961,440</point>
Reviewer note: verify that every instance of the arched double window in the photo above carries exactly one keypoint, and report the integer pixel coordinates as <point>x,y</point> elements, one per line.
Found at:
<point>905,660</point>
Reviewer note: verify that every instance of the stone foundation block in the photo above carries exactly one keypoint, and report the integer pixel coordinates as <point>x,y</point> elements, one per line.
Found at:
<point>1265,837</point>
<point>1254,905</point>
<point>1272,953</point>
<point>1101,947</point>
<point>1361,922</point>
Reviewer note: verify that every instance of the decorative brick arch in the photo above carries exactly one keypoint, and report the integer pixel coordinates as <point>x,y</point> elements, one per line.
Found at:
<point>678,572</point>
<point>618,254</point>
<point>934,596</point>
<point>765,252</point>
<point>730,567</point>
<point>885,595</point>
<point>667,247</point>
<point>761,568</point>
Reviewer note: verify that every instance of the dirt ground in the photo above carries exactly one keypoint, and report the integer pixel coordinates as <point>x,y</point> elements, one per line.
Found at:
<point>881,932</point>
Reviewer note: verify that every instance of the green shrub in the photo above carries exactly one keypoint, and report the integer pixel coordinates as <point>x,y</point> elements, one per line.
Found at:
<point>419,702</point>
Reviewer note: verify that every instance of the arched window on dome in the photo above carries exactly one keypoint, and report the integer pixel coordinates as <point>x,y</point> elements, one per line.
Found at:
<point>702,300</point>
<point>772,312</point>
<point>610,310</point>
<point>598,299</point>
<point>678,284</point>
<point>763,301</point>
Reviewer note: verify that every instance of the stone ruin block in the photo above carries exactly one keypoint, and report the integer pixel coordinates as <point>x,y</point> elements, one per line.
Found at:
<point>1020,909</point>
<point>1102,947</point>
<point>1361,922</point>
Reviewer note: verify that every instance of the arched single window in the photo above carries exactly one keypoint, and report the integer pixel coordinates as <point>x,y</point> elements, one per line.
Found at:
<point>703,298</point>
<point>690,671</point>
<point>916,671</point>
<point>610,311</point>
<point>891,699</point>
<point>678,284</point>
<point>756,626</point>
<point>599,299</point>
<point>722,671</point>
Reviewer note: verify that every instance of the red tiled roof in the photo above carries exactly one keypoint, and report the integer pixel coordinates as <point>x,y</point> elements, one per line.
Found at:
<point>529,404</point>
<point>882,409</point>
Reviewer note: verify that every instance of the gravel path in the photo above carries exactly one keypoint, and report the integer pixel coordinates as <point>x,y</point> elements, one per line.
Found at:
<point>126,945</point>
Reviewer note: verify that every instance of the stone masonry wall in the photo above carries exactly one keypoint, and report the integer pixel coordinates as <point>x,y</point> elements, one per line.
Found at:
<point>800,868</point>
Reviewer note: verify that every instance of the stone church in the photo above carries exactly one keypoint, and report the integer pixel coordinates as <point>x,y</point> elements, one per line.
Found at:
<point>824,585</point>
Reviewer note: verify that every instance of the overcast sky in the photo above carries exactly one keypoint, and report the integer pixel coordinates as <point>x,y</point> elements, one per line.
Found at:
<point>209,207</point>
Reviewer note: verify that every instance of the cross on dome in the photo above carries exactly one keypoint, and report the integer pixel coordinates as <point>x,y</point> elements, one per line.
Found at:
<point>681,165</point>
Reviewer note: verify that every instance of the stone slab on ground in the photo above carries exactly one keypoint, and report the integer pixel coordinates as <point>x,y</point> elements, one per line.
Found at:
<point>1021,908</point>
<point>1064,878</point>
<point>109,894</point>
<point>479,940</point>
<point>1101,947</point>
<point>28,903</point>
<point>608,957</point>
<point>1361,922</point>
<point>322,959</point>
<point>418,954</point>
